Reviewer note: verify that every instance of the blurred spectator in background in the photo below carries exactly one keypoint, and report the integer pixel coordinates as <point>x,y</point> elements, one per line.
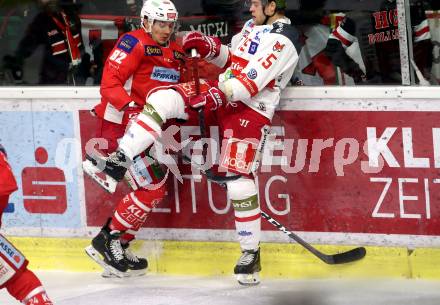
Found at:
<point>314,66</point>
<point>14,18</point>
<point>58,28</point>
<point>433,16</point>
<point>102,23</point>
<point>231,11</point>
<point>376,34</point>
<point>112,8</point>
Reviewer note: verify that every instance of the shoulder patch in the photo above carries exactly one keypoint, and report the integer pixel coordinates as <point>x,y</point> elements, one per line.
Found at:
<point>178,55</point>
<point>249,23</point>
<point>290,32</point>
<point>127,43</point>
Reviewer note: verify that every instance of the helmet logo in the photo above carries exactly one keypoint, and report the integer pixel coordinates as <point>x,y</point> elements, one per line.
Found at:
<point>171,15</point>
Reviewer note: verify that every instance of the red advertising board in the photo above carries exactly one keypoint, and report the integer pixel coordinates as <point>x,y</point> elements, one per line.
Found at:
<point>325,171</point>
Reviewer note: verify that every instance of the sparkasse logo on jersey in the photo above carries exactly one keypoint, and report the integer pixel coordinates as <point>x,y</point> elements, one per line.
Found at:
<point>10,253</point>
<point>165,75</point>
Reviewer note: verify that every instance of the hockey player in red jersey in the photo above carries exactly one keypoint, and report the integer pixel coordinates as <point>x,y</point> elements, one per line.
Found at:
<point>140,61</point>
<point>19,281</point>
<point>259,64</point>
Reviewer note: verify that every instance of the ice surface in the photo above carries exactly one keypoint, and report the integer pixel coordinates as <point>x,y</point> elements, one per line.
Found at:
<point>90,289</point>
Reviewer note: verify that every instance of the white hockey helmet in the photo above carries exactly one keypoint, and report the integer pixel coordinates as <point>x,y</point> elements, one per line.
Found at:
<point>162,10</point>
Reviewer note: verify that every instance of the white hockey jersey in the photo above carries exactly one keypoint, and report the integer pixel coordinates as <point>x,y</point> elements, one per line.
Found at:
<point>260,61</point>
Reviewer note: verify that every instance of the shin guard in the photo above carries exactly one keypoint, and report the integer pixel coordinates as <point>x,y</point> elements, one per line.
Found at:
<point>244,199</point>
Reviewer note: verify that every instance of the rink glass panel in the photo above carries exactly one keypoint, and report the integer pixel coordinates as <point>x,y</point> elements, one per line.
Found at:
<point>370,50</point>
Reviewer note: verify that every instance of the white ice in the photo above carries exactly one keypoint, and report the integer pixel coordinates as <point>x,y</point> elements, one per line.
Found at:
<point>90,289</point>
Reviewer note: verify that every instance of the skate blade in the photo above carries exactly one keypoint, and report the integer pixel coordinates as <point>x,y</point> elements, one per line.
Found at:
<point>93,254</point>
<point>109,184</point>
<point>108,274</point>
<point>252,279</point>
<point>130,273</point>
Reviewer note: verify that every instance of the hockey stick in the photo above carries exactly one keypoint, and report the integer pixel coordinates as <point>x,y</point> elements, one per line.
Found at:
<point>221,180</point>
<point>422,80</point>
<point>201,116</point>
<point>331,259</point>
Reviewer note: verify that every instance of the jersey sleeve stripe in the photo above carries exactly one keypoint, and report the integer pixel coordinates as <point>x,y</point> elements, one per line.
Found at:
<point>422,31</point>
<point>248,84</point>
<point>343,36</point>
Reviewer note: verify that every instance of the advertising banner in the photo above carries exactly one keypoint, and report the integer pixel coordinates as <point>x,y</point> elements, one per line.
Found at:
<point>322,171</point>
<point>48,194</point>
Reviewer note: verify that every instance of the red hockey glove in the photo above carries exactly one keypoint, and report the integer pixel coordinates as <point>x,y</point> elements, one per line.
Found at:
<point>207,46</point>
<point>213,99</point>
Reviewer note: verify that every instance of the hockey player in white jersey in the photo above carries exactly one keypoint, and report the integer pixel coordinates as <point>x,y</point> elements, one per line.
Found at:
<point>259,64</point>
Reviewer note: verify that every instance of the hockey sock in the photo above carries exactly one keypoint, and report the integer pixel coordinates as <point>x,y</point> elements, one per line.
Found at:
<point>132,211</point>
<point>26,286</point>
<point>40,298</point>
<point>127,237</point>
<point>244,199</point>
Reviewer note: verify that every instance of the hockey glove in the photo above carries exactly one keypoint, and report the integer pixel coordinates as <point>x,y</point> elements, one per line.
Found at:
<point>208,47</point>
<point>213,99</point>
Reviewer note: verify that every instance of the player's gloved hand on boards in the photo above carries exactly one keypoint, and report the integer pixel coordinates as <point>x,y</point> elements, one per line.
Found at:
<point>208,47</point>
<point>212,99</point>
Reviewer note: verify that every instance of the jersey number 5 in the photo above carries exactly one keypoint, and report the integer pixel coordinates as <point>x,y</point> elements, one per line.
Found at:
<point>118,56</point>
<point>269,61</point>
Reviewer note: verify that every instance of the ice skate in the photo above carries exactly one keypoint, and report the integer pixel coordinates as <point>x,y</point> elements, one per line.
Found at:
<point>107,251</point>
<point>248,268</point>
<point>137,266</point>
<point>113,169</point>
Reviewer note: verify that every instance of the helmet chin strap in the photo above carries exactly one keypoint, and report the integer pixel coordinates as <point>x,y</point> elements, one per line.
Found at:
<point>142,24</point>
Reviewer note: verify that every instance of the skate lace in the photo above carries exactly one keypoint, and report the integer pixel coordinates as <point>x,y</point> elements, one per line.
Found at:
<point>114,158</point>
<point>246,258</point>
<point>131,256</point>
<point>116,249</point>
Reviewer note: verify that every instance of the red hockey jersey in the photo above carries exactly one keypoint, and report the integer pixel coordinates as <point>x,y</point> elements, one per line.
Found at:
<point>8,185</point>
<point>136,65</point>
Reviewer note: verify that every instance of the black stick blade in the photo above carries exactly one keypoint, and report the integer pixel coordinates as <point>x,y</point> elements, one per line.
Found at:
<point>349,256</point>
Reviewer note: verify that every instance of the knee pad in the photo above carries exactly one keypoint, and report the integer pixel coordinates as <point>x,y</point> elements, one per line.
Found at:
<point>168,104</point>
<point>12,262</point>
<point>244,197</point>
<point>241,188</point>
